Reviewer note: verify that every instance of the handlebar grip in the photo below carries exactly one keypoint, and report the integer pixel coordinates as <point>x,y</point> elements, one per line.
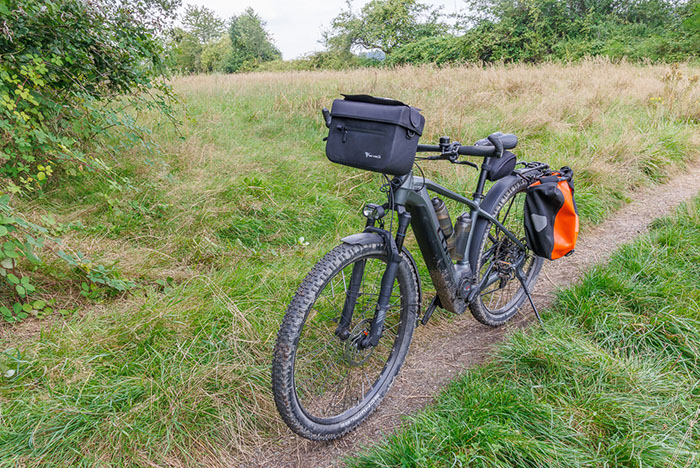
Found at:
<point>326,117</point>
<point>476,151</point>
<point>428,148</point>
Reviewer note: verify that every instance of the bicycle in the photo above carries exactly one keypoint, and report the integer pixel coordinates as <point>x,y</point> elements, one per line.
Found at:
<point>348,328</point>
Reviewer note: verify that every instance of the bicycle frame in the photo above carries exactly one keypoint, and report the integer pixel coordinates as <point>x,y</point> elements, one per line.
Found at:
<point>454,283</point>
<point>426,228</point>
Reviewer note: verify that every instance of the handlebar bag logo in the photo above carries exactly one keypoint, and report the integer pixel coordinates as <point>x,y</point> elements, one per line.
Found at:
<point>373,156</point>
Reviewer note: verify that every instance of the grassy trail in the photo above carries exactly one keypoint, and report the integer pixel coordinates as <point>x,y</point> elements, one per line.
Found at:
<point>179,374</point>
<point>612,381</point>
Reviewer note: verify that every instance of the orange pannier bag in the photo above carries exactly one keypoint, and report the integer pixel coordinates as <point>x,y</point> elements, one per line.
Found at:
<point>551,215</point>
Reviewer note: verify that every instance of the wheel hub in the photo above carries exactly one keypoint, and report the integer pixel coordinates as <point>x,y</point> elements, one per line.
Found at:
<point>354,353</point>
<point>508,257</point>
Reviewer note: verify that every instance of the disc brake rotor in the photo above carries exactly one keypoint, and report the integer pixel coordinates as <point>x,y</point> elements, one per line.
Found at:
<point>352,353</point>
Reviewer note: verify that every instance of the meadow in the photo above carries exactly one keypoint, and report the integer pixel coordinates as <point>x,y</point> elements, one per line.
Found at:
<point>214,224</point>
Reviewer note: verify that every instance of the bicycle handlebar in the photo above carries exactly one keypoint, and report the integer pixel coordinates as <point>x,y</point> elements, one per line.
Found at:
<point>463,150</point>
<point>487,147</point>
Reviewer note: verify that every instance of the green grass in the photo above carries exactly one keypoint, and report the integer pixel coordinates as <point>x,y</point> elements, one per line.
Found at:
<point>613,381</point>
<point>181,375</point>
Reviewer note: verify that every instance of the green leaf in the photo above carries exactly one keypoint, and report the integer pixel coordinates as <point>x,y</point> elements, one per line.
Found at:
<point>39,304</point>
<point>27,307</point>
<point>20,290</point>
<point>31,256</point>
<point>68,258</point>
<point>3,231</point>
<point>12,279</point>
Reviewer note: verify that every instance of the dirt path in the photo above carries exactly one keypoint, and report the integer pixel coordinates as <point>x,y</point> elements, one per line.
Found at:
<point>445,348</point>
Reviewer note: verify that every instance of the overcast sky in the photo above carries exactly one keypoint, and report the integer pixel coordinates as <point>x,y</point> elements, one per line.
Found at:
<point>296,26</point>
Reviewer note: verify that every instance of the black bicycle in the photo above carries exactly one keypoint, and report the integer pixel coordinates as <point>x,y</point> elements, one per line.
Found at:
<point>347,330</point>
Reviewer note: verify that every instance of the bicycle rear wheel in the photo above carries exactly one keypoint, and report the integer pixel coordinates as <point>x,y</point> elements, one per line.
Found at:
<point>324,386</point>
<point>504,294</point>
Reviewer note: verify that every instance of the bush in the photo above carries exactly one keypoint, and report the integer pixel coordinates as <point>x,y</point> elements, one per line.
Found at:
<point>438,50</point>
<point>64,64</point>
<point>327,60</point>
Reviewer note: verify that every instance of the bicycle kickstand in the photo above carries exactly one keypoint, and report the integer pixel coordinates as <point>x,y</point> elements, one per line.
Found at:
<point>518,274</point>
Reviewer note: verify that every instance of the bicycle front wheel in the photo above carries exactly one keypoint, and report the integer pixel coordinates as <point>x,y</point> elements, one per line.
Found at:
<point>324,386</point>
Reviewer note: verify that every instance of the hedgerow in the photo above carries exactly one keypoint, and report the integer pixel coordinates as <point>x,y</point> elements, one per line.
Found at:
<point>70,72</point>
<point>537,31</point>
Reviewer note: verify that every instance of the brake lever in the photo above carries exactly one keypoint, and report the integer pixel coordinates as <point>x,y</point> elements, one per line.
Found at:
<point>452,154</point>
<point>468,163</point>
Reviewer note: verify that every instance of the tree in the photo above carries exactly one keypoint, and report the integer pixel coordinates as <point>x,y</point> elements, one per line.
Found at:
<point>200,28</point>
<point>250,41</point>
<point>384,25</point>
<point>185,51</point>
<point>536,30</point>
<point>215,54</point>
<point>203,23</point>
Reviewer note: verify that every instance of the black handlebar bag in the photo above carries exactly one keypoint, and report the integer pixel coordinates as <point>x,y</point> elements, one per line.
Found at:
<point>375,134</point>
<point>551,215</point>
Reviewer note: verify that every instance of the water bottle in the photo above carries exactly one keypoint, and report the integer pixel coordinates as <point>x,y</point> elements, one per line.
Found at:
<point>461,236</point>
<point>445,222</point>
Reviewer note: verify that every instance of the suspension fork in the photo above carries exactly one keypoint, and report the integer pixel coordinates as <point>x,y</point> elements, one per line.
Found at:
<point>394,247</point>
<point>342,331</point>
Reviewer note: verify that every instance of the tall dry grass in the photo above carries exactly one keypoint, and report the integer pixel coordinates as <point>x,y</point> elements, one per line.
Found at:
<point>611,121</point>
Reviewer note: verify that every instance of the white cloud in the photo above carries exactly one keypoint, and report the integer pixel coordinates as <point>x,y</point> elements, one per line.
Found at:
<point>296,26</point>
